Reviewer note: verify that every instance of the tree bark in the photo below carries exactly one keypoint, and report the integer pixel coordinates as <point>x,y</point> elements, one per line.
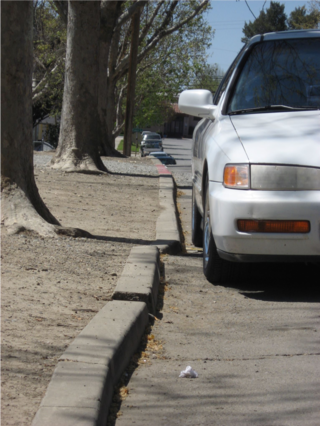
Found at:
<point>80,131</point>
<point>111,88</point>
<point>135,25</point>
<point>22,206</point>
<point>110,12</point>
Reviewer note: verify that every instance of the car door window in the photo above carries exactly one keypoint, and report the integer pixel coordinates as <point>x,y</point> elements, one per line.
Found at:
<point>225,81</point>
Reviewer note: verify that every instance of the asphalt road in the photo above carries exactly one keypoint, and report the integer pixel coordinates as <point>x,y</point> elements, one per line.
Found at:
<point>180,149</point>
<point>254,342</point>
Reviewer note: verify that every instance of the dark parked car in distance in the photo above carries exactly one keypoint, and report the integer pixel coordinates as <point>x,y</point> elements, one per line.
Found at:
<point>164,157</point>
<point>152,146</point>
<point>151,137</point>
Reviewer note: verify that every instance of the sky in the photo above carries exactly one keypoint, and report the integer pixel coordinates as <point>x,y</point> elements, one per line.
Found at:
<point>227,17</point>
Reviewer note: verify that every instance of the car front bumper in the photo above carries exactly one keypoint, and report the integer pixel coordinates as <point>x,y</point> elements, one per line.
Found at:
<point>229,205</point>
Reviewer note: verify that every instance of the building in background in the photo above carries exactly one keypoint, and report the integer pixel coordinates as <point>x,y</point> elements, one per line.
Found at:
<point>179,125</point>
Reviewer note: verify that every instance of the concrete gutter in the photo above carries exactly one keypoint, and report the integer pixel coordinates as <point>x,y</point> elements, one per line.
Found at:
<point>82,386</point>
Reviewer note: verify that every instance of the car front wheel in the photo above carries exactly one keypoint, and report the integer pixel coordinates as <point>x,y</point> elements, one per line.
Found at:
<point>215,269</point>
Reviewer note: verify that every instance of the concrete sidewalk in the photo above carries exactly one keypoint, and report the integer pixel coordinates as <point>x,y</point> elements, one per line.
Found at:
<point>254,345</point>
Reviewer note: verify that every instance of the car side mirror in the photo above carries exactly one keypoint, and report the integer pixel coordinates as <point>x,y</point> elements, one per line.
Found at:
<point>197,102</point>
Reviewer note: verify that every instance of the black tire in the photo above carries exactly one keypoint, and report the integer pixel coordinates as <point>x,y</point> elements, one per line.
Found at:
<point>196,231</point>
<point>215,269</point>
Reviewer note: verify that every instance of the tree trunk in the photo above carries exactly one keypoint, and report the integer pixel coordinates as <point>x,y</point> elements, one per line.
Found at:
<point>135,25</point>
<point>110,12</point>
<point>106,103</point>
<point>22,206</point>
<point>80,131</point>
<point>102,96</point>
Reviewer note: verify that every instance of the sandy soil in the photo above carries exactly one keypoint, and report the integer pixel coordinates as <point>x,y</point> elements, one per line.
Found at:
<point>51,288</point>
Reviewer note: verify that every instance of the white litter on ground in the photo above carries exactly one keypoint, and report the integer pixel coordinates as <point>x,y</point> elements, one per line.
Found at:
<point>189,372</point>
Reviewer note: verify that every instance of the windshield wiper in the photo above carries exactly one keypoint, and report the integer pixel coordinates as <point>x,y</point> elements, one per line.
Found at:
<point>273,108</point>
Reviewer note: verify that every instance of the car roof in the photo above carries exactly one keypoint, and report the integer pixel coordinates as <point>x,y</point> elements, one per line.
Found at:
<point>282,35</point>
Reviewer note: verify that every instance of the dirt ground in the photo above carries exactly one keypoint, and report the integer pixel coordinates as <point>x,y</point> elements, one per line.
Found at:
<point>51,288</point>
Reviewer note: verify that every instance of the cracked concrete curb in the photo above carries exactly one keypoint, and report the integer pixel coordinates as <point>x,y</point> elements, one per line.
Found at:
<point>140,278</point>
<point>82,386</point>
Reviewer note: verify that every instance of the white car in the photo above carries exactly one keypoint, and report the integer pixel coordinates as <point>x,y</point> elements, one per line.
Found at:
<point>256,156</point>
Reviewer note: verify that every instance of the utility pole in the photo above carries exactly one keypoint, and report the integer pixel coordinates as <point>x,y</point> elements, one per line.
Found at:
<point>135,26</point>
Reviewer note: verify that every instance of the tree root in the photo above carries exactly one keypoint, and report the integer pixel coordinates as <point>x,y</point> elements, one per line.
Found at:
<point>19,215</point>
<point>70,163</point>
<point>112,152</point>
<point>115,153</point>
<point>72,232</point>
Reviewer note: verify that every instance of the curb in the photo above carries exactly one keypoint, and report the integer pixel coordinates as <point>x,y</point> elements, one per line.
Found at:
<point>82,385</point>
<point>140,278</point>
<point>81,388</point>
<point>167,229</point>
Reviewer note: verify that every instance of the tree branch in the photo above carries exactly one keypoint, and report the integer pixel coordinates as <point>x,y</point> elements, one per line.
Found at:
<point>42,84</point>
<point>122,68</point>
<point>127,14</point>
<point>146,28</point>
<point>62,9</point>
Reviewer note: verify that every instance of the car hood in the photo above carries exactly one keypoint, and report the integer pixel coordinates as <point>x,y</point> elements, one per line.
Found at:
<point>285,138</point>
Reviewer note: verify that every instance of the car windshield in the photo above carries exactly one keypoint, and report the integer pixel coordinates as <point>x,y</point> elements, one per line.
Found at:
<point>152,136</point>
<point>279,73</point>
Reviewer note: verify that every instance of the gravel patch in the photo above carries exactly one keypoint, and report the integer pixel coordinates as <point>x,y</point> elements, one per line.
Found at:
<point>132,166</point>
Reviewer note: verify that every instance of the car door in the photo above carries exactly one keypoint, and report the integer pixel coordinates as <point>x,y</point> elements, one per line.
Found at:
<point>197,160</point>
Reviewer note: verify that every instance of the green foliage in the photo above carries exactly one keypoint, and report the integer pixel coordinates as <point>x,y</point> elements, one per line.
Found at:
<point>134,148</point>
<point>275,19</point>
<point>49,47</point>
<point>176,63</point>
<point>300,19</point>
<point>207,77</point>
<point>52,134</point>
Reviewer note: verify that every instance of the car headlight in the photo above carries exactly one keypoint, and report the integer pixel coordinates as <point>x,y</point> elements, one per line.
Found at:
<point>271,177</point>
<point>277,177</point>
<point>237,176</point>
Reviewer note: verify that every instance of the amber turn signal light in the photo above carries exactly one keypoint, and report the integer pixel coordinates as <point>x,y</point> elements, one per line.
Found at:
<point>236,176</point>
<point>276,226</point>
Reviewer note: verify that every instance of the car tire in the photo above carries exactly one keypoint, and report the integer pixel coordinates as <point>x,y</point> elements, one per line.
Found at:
<point>196,231</point>
<point>215,269</point>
